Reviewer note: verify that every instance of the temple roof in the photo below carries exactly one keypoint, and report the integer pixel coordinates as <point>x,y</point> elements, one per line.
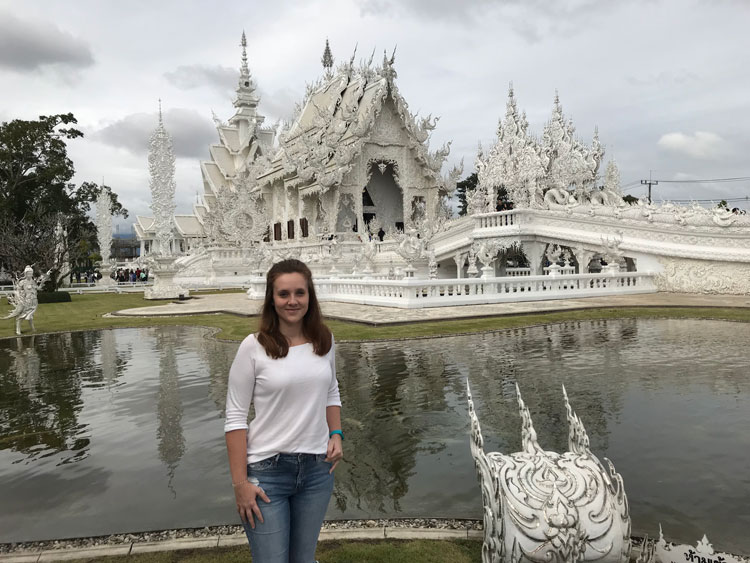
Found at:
<point>186,225</point>
<point>334,121</point>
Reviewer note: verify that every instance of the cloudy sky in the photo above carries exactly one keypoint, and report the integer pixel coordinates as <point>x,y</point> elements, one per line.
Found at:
<point>665,81</point>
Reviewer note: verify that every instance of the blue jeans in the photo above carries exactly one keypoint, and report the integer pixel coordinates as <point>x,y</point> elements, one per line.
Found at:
<point>299,487</point>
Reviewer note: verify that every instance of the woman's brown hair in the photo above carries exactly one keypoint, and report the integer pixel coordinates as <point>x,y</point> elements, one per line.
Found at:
<point>313,328</point>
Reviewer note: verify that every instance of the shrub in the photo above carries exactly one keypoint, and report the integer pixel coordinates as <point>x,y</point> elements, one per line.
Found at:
<point>53,297</point>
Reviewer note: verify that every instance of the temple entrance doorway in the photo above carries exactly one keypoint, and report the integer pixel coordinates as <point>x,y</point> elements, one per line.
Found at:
<point>382,197</point>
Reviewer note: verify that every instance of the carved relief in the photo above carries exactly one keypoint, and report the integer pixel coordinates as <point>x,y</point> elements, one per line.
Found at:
<point>703,276</point>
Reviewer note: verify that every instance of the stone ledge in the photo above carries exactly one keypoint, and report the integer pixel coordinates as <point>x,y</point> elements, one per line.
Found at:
<point>233,540</point>
<point>342,534</point>
<point>425,534</point>
<point>93,552</point>
<point>176,544</point>
<point>21,557</point>
<point>352,534</point>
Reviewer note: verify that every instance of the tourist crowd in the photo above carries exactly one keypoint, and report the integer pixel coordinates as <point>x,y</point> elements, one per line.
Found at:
<point>124,275</point>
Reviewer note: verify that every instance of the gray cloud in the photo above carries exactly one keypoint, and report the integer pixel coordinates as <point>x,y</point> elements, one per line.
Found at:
<point>530,19</point>
<point>188,77</point>
<point>191,132</point>
<point>27,46</point>
<point>703,144</point>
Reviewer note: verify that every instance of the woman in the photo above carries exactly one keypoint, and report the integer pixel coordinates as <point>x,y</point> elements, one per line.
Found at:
<point>282,464</point>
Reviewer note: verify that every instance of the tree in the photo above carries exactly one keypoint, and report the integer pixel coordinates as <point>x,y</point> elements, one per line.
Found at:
<point>467,184</point>
<point>34,165</point>
<point>44,218</point>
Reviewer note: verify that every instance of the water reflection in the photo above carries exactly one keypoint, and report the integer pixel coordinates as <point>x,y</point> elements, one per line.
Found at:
<point>121,430</point>
<point>169,407</point>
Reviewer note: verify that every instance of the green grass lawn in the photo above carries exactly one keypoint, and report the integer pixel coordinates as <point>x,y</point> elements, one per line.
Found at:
<point>85,312</point>
<point>386,551</point>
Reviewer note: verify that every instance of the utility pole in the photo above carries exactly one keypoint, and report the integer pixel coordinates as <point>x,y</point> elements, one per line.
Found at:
<point>649,183</point>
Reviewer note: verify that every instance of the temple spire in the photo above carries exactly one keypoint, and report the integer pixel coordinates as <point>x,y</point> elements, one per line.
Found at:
<point>327,59</point>
<point>244,70</point>
<point>246,96</point>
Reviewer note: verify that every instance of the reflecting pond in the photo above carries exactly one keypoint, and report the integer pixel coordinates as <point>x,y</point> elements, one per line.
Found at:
<point>121,430</point>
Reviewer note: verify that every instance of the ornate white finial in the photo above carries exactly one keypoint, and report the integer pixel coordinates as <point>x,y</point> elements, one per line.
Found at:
<point>161,121</point>
<point>246,96</point>
<point>243,67</point>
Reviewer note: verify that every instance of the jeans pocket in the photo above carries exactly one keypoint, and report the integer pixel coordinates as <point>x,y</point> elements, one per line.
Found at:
<point>263,464</point>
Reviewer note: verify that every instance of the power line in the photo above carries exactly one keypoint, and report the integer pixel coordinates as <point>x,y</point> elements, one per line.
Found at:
<point>714,200</point>
<point>711,180</point>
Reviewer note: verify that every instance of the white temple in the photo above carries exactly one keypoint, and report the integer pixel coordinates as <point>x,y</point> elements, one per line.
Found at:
<point>351,187</point>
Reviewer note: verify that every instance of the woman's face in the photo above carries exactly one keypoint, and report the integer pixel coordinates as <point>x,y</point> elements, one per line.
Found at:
<point>290,298</point>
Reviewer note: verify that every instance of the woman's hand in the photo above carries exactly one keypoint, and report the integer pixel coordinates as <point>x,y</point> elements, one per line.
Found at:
<point>246,495</point>
<point>335,451</point>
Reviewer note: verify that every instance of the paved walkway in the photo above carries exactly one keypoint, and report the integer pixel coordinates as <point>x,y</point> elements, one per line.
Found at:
<point>239,304</point>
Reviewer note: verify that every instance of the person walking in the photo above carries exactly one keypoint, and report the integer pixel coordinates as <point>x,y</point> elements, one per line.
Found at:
<point>282,463</point>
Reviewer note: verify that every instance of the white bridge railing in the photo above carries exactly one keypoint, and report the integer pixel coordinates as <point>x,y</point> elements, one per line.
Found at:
<point>419,293</point>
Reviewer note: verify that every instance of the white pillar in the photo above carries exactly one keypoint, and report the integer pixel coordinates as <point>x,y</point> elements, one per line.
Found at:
<point>534,251</point>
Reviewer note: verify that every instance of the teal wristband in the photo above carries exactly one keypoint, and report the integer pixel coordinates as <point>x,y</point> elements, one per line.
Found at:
<point>339,432</point>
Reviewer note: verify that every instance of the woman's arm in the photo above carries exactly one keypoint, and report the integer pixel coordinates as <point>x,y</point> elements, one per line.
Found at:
<point>245,493</point>
<point>335,443</point>
<point>237,452</point>
<point>239,396</point>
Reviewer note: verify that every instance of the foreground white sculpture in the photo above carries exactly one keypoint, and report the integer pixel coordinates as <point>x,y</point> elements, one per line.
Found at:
<point>24,298</point>
<point>547,507</point>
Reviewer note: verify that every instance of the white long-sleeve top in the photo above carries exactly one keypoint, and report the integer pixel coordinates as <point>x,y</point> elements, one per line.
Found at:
<point>290,396</point>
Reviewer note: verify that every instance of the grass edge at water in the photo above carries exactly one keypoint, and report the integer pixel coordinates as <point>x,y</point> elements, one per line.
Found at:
<point>87,312</point>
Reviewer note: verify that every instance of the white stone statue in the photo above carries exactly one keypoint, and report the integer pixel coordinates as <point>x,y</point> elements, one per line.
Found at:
<point>24,298</point>
<point>544,507</point>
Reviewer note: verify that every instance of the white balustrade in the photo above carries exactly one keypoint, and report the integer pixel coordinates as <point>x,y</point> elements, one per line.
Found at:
<point>515,272</point>
<point>495,220</point>
<point>418,293</point>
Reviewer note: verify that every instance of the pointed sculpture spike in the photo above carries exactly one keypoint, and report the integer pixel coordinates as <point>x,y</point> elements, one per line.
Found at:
<point>476,430</point>
<point>393,55</point>
<point>528,434</point>
<point>327,58</point>
<point>578,440</point>
<point>510,89</point>
<point>161,121</point>
<point>372,56</point>
<point>354,54</point>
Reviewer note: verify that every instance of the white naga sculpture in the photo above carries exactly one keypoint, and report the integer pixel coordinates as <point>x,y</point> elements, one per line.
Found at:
<point>24,298</point>
<point>547,507</point>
